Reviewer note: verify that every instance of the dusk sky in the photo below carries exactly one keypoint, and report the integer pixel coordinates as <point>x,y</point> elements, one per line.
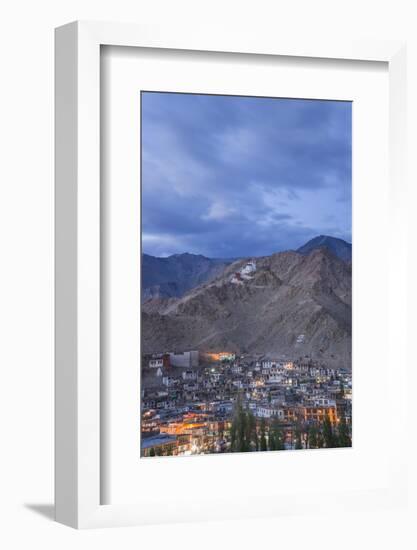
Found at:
<point>228,176</point>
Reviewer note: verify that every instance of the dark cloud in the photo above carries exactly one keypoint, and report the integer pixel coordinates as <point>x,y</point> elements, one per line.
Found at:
<point>234,176</point>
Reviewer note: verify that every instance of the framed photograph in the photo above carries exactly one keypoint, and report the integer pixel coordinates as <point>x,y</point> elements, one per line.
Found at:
<point>228,213</point>
<point>246,305</point>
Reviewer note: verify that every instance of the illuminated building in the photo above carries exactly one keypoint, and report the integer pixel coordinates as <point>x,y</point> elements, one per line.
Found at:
<point>318,414</point>
<point>161,443</point>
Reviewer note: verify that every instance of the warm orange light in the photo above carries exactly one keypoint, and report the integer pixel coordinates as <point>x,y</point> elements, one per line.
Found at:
<point>180,428</point>
<point>218,356</point>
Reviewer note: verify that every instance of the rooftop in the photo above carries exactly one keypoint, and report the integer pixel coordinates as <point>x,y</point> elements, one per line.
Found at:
<point>155,440</point>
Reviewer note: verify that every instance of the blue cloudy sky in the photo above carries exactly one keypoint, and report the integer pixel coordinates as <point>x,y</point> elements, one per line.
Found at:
<point>227,176</point>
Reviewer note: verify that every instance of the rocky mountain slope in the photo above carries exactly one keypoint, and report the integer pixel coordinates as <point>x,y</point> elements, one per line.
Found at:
<point>176,274</point>
<point>338,247</point>
<point>290,305</point>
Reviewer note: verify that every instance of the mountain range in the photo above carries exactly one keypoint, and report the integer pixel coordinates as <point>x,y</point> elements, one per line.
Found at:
<point>338,247</point>
<point>292,303</point>
<point>176,274</point>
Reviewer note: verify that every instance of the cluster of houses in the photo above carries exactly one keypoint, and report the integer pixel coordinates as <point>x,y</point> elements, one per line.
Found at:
<point>160,361</point>
<point>194,403</point>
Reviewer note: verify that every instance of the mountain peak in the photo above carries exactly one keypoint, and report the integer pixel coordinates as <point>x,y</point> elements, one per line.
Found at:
<point>176,274</point>
<point>186,255</point>
<point>340,248</point>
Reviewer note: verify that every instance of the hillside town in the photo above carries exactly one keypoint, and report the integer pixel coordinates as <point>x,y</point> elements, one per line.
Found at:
<point>217,402</point>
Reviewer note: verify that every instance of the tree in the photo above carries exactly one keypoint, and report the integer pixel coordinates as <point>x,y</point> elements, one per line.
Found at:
<point>329,437</point>
<point>276,437</point>
<point>233,434</point>
<point>307,437</point>
<point>312,438</point>
<point>320,440</point>
<point>343,433</point>
<point>272,442</point>
<point>251,434</point>
<point>280,441</point>
<point>242,429</point>
<point>263,445</point>
<point>235,430</point>
<point>255,438</point>
<point>298,441</point>
<point>152,452</point>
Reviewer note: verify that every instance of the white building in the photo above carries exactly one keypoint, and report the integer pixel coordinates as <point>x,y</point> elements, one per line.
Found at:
<point>189,375</point>
<point>269,411</point>
<point>271,364</point>
<point>237,369</point>
<point>247,271</point>
<point>156,363</point>
<point>274,378</point>
<point>169,381</point>
<point>223,406</point>
<point>324,402</point>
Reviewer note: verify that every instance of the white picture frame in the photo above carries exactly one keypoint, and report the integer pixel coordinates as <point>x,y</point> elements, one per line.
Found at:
<point>78,264</point>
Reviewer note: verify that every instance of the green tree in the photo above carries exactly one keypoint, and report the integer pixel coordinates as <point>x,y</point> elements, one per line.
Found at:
<point>312,438</point>
<point>251,434</point>
<point>343,433</point>
<point>281,441</point>
<point>255,438</point>
<point>152,452</point>
<point>235,430</point>
<point>329,437</point>
<point>272,442</point>
<point>240,432</point>
<point>276,437</point>
<point>263,445</point>
<point>307,437</point>
<point>233,436</point>
<point>320,440</point>
<point>298,441</point>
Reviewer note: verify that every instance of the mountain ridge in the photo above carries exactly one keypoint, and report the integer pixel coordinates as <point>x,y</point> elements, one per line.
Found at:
<point>339,247</point>
<point>292,303</point>
<point>174,275</point>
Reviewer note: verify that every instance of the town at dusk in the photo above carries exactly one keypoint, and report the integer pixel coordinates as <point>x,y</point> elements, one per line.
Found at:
<point>246,275</point>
